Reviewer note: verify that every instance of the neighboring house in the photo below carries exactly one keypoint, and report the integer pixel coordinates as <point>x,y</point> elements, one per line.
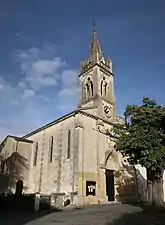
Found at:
<point>74,154</point>
<point>15,163</point>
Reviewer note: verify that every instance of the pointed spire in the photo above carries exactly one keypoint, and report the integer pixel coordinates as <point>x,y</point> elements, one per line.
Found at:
<point>95,53</point>
<point>94,27</point>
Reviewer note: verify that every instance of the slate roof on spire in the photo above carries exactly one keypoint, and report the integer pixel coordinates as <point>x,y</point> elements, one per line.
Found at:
<point>95,49</point>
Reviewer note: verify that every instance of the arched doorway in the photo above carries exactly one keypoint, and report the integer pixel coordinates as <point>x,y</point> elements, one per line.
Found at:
<point>112,165</point>
<point>110,187</point>
<point>19,188</point>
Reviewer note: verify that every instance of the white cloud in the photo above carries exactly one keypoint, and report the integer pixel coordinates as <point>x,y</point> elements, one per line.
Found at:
<point>14,94</point>
<point>45,67</point>
<point>67,98</point>
<point>30,103</point>
<point>21,85</point>
<point>28,93</point>
<point>3,84</point>
<point>37,83</point>
<point>2,87</point>
<point>14,102</point>
<point>69,77</point>
<point>40,67</point>
<point>66,93</point>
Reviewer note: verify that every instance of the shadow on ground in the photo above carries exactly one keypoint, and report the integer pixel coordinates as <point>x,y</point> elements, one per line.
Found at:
<point>21,218</point>
<point>144,216</point>
<point>117,214</point>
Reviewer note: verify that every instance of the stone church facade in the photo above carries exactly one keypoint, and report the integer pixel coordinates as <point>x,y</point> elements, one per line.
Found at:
<point>74,154</point>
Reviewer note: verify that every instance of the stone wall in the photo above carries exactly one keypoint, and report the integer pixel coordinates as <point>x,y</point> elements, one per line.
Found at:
<point>96,154</point>
<point>16,156</point>
<point>55,176</point>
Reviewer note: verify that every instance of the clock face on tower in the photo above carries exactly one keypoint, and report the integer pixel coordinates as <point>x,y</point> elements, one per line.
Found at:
<point>108,111</point>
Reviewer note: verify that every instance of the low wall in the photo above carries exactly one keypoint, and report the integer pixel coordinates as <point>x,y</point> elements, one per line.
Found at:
<point>35,202</point>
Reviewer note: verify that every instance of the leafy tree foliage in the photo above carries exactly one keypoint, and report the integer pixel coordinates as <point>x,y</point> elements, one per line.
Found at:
<point>142,138</point>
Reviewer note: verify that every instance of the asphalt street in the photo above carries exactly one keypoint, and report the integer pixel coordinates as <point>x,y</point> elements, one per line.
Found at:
<point>116,214</point>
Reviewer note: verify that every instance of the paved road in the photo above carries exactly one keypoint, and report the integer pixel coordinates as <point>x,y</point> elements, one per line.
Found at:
<point>115,214</point>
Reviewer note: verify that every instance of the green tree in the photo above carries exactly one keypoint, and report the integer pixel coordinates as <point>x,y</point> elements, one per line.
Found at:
<point>142,140</point>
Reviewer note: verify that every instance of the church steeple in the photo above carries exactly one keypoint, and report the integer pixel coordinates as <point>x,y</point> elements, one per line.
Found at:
<point>95,55</point>
<point>96,82</point>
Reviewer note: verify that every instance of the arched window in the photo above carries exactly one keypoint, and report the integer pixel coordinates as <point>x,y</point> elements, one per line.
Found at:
<point>69,140</point>
<point>35,155</point>
<point>51,149</point>
<point>103,86</point>
<point>89,88</point>
<point>88,91</point>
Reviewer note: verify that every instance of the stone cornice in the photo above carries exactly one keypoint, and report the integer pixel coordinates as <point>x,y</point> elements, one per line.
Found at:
<point>96,117</point>
<point>73,113</point>
<point>87,107</point>
<point>101,68</point>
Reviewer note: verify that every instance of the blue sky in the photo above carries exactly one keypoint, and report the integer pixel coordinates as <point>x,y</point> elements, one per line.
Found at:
<point>43,41</point>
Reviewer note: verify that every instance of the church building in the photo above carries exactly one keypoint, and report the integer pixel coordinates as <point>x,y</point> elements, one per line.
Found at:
<point>74,156</point>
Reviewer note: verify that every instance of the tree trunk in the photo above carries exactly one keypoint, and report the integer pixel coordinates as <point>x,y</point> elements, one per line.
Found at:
<point>149,192</point>
<point>155,188</point>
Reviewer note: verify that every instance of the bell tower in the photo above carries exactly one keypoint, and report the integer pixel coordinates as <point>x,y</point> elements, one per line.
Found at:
<point>96,82</point>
